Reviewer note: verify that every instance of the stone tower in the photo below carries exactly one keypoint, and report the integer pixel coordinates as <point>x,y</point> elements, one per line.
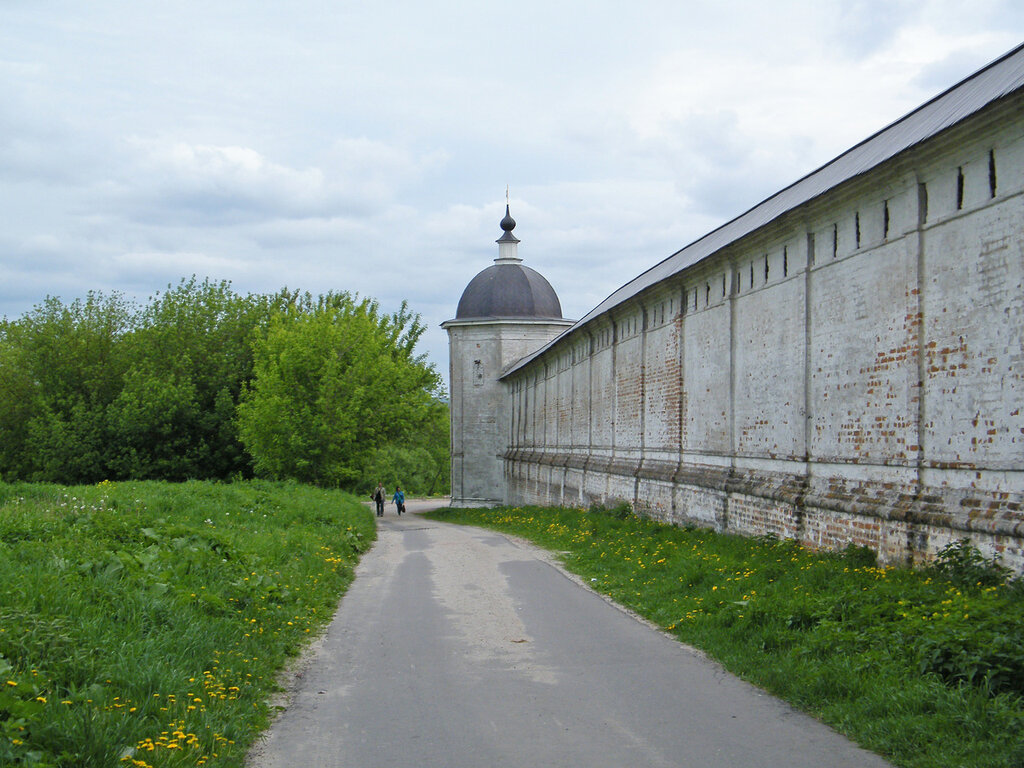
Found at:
<point>506,312</point>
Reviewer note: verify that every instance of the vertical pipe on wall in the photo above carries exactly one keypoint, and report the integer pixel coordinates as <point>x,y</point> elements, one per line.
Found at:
<point>798,511</point>
<point>911,543</point>
<point>733,441</point>
<point>615,401</point>
<point>922,213</point>
<point>643,403</point>
<point>808,352</point>
<point>680,331</point>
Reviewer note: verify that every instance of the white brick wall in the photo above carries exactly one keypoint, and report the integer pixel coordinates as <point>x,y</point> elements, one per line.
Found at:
<point>869,388</point>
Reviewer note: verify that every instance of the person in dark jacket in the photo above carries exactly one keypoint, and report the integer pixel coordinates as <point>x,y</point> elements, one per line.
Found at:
<point>379,496</point>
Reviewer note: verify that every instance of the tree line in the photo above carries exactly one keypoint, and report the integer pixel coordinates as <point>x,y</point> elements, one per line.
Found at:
<point>201,382</point>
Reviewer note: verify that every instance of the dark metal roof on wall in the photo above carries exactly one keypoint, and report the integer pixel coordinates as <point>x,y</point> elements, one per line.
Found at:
<point>996,80</point>
<point>508,291</point>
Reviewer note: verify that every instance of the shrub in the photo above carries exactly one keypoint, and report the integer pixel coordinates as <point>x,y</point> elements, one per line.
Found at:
<point>965,566</point>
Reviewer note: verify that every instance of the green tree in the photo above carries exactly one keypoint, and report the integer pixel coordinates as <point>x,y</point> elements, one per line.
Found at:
<point>103,388</point>
<point>420,463</point>
<point>151,420</point>
<point>60,368</point>
<point>335,380</point>
<point>191,357</point>
<point>17,393</point>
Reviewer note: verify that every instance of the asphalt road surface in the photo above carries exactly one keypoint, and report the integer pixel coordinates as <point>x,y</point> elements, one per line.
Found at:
<point>462,648</point>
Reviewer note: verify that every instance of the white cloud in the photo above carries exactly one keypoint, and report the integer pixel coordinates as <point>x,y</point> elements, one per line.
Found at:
<point>205,184</point>
<point>366,147</point>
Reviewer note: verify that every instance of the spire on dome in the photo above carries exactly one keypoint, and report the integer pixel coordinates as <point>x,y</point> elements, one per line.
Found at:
<point>507,289</point>
<point>507,243</point>
<point>507,225</point>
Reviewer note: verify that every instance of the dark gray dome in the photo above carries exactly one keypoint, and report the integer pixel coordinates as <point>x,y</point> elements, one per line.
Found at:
<point>509,290</point>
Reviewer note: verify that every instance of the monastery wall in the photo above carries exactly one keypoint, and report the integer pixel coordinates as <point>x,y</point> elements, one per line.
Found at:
<point>851,371</point>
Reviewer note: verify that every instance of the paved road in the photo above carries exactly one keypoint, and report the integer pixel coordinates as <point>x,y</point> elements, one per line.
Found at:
<point>458,647</point>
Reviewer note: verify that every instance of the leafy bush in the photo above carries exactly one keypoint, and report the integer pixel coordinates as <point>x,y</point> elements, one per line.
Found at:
<point>620,511</point>
<point>987,656</point>
<point>965,566</point>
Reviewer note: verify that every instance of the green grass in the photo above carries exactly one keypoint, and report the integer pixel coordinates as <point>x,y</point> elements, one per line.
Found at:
<point>146,623</point>
<point>923,667</point>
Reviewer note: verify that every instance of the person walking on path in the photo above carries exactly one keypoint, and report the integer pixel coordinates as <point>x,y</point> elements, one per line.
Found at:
<point>379,495</point>
<point>399,499</point>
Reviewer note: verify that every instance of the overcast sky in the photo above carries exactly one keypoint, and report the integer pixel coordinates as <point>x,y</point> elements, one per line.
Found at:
<point>367,146</point>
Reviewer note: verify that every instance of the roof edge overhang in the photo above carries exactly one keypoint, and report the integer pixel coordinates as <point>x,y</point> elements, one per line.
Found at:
<point>508,321</point>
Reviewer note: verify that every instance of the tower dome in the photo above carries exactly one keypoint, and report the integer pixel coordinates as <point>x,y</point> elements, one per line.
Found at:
<point>507,289</point>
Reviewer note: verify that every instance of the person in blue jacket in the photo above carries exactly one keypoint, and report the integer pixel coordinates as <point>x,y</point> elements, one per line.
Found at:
<point>399,499</point>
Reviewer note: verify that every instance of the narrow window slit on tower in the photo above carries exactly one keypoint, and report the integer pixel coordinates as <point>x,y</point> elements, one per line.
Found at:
<point>785,261</point>
<point>751,274</point>
<point>835,240</point>
<point>959,188</point>
<point>991,173</point>
<point>723,285</point>
<point>856,225</point>
<point>766,267</point>
<point>922,203</point>
<point>885,220</point>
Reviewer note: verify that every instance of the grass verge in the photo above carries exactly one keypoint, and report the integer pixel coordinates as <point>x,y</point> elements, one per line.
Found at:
<point>145,624</point>
<point>923,667</point>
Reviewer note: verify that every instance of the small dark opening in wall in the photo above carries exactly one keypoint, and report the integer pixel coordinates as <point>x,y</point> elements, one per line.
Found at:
<point>785,261</point>
<point>766,267</point>
<point>835,240</point>
<point>723,285</point>
<point>991,173</point>
<point>751,274</point>
<point>810,248</point>
<point>959,188</point>
<point>922,203</point>
<point>885,220</point>
<point>694,299</point>
<point>707,294</point>
<point>856,227</point>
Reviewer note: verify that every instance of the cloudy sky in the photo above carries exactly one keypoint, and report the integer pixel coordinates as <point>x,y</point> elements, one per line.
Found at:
<point>367,146</point>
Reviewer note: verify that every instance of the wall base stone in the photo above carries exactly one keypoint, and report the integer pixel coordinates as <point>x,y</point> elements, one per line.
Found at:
<point>902,525</point>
